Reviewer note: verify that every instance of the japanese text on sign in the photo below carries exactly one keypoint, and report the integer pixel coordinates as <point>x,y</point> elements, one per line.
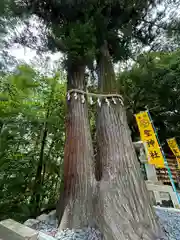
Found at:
<point>148,136</point>
<point>175,149</point>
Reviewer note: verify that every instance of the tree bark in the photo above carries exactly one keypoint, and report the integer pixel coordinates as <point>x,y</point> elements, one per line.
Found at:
<point>37,191</point>
<point>39,178</point>
<point>76,200</point>
<point>124,207</point>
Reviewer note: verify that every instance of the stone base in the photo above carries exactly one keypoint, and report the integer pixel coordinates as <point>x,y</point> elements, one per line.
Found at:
<point>161,192</point>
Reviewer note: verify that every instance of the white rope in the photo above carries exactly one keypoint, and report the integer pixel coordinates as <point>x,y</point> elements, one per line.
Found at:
<point>95,94</point>
<point>99,96</point>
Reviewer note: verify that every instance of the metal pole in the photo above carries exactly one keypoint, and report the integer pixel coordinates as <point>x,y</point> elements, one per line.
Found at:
<point>165,160</point>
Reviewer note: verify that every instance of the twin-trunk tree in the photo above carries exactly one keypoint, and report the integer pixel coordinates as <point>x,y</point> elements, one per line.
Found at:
<point>117,202</point>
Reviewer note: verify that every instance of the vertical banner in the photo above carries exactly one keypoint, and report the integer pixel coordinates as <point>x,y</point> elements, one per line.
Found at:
<point>175,149</point>
<point>148,136</point>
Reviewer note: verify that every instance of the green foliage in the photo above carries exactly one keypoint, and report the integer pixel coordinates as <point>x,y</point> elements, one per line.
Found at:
<point>154,83</point>
<point>79,28</point>
<point>79,40</point>
<point>27,96</point>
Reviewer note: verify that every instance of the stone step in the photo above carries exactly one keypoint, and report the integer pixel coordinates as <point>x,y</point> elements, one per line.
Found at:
<point>43,236</point>
<point>12,230</point>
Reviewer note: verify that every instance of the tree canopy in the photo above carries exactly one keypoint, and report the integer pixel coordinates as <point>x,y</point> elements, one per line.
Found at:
<point>80,27</point>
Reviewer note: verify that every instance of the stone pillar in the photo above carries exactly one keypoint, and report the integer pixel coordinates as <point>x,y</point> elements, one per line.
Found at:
<point>150,169</point>
<point>174,200</point>
<point>157,197</point>
<point>151,173</point>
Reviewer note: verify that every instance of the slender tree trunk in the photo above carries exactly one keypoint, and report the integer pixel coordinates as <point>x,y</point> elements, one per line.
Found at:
<point>47,158</point>
<point>36,194</point>
<point>1,127</point>
<point>124,208</point>
<point>76,200</point>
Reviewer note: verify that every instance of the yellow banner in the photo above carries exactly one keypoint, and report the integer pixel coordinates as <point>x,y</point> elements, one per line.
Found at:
<point>148,136</point>
<point>175,149</point>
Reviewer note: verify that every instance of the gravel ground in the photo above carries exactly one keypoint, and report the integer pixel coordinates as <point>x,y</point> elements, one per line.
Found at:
<point>169,219</point>
<point>84,234</point>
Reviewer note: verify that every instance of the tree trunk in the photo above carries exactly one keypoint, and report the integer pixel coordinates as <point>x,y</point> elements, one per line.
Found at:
<point>76,200</point>
<point>36,195</point>
<point>37,191</point>
<point>124,207</point>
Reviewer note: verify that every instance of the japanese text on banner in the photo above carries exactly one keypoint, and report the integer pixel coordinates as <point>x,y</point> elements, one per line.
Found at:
<point>148,136</point>
<point>175,149</point>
